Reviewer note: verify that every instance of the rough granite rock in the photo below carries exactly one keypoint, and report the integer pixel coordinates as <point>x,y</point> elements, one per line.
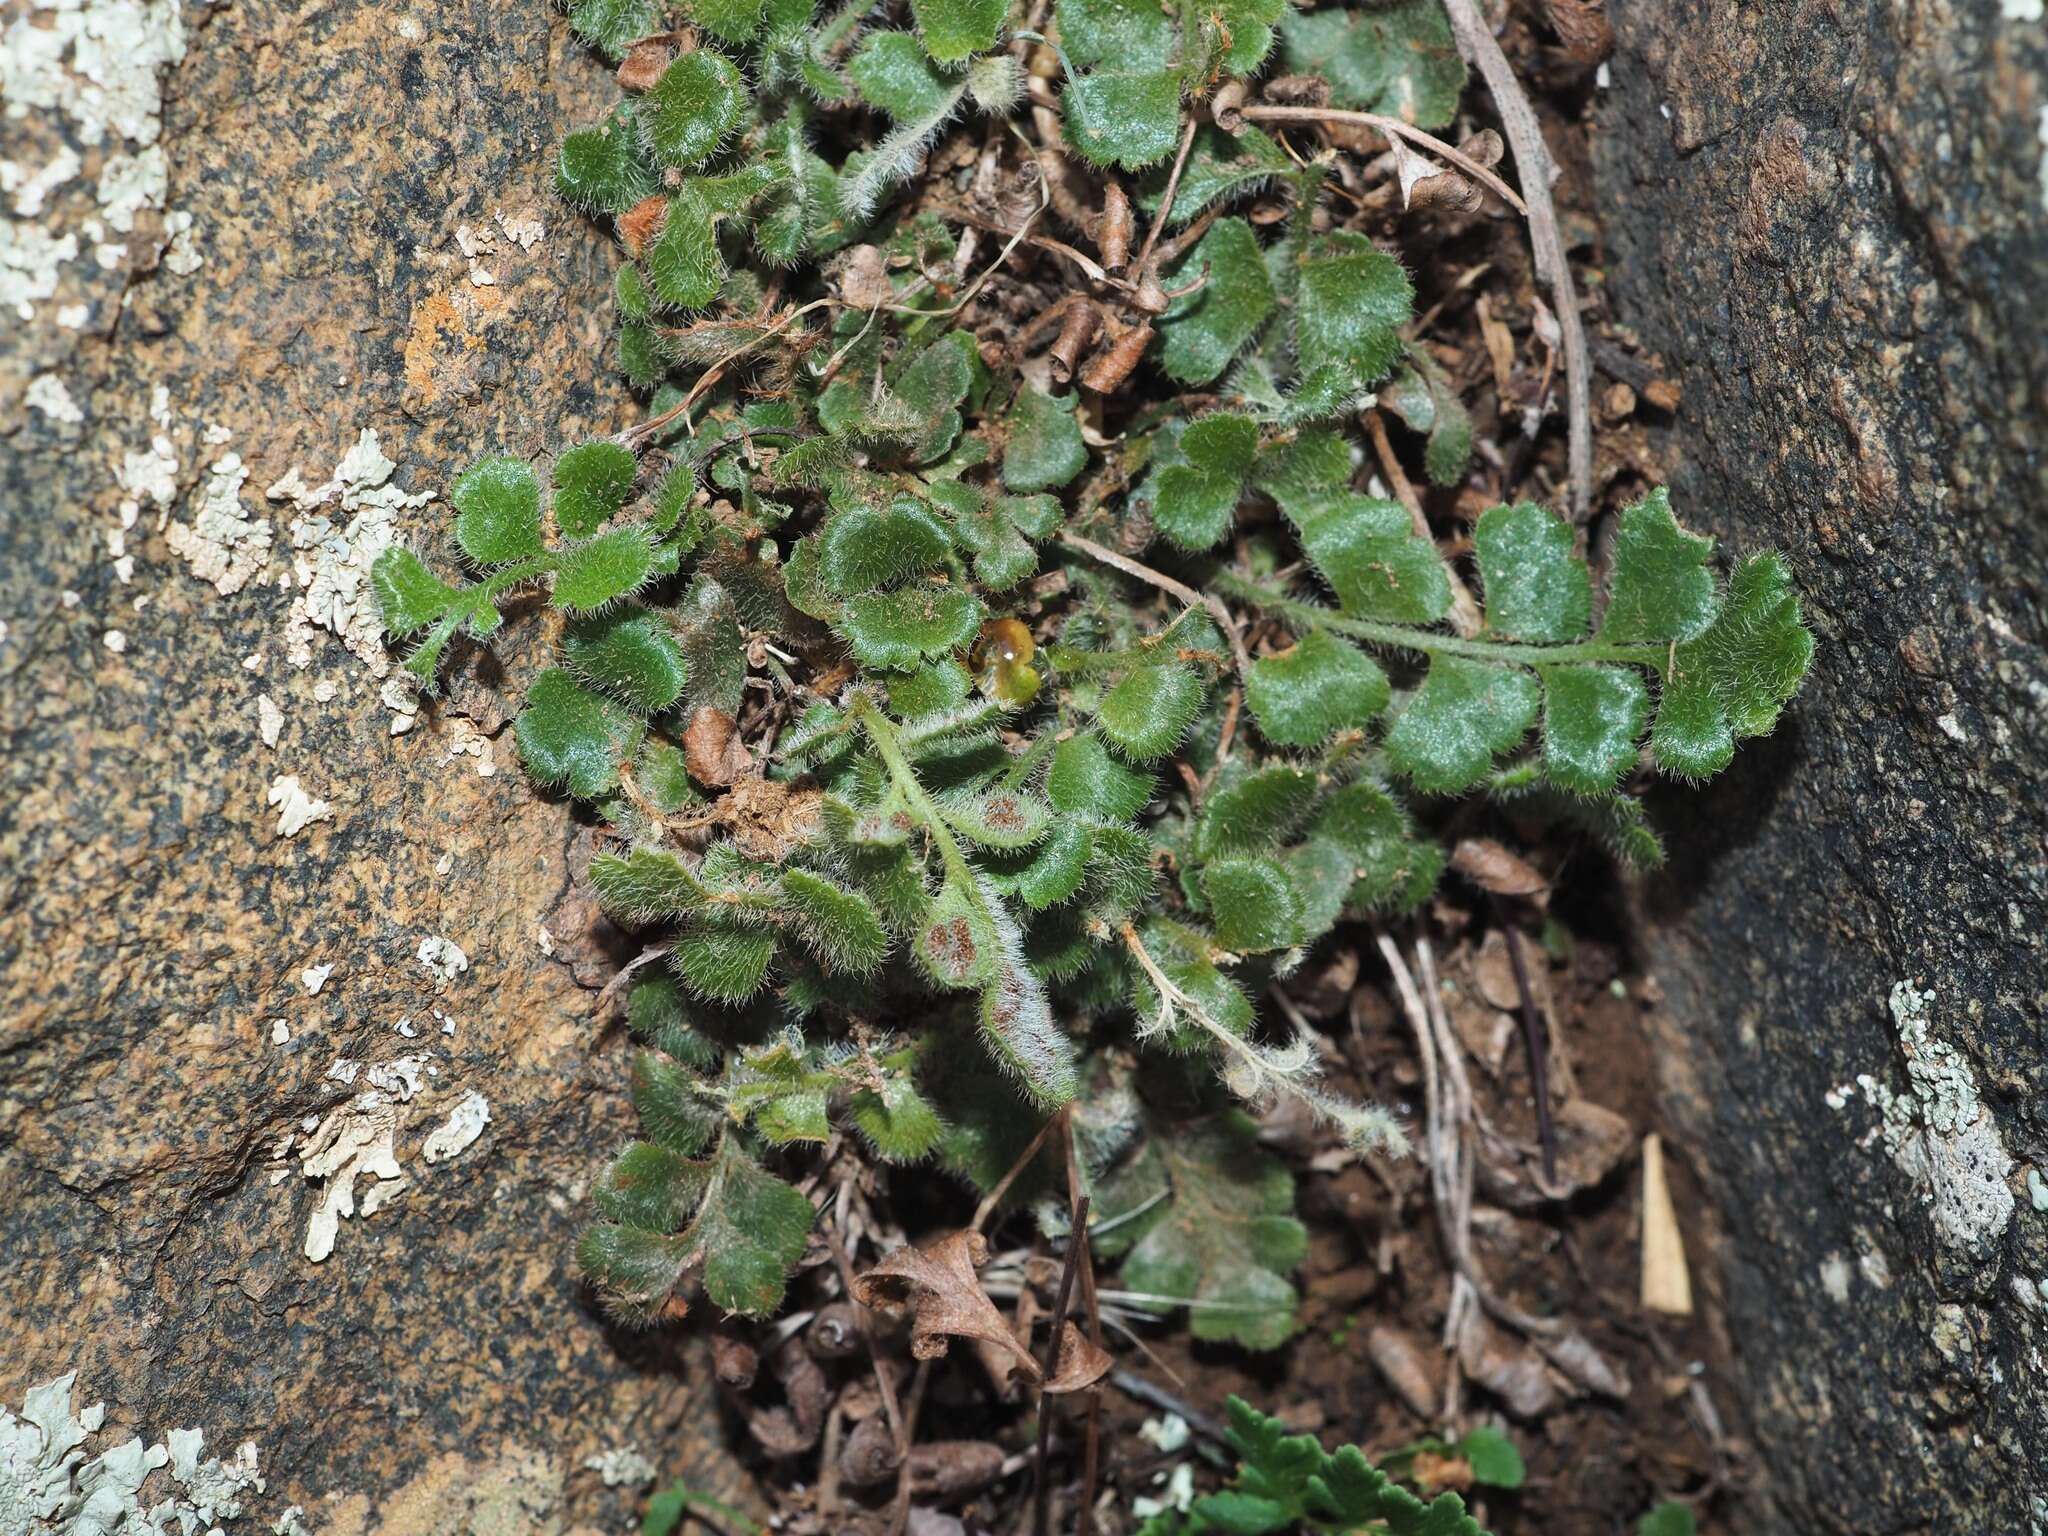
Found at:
<point>338,217</point>
<point>1834,220</point>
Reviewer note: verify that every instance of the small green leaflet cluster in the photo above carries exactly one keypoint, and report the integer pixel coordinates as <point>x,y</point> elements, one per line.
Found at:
<point>985,786</point>
<point>1290,1483</point>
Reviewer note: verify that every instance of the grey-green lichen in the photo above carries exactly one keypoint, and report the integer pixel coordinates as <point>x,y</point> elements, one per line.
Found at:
<point>1939,1132</point>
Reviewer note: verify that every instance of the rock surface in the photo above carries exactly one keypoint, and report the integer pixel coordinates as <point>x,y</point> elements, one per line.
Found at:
<point>1831,219</point>
<point>238,239</point>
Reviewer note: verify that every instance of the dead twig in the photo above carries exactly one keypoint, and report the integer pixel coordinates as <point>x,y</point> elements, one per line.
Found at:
<point>1142,266</point>
<point>1535,169</point>
<point>1152,1395</point>
<point>1077,1241</point>
<point>1180,589</point>
<point>1534,1040</point>
<point>1393,128</point>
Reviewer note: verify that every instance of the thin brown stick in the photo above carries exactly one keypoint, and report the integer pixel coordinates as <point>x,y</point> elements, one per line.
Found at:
<point>887,1387</point>
<point>1392,128</point>
<point>1535,169</point>
<point>994,1197</point>
<point>1077,1238</point>
<point>899,1516</point>
<point>1534,1041</point>
<point>1159,219</point>
<point>1152,1395</point>
<point>1464,611</point>
<point>1179,589</point>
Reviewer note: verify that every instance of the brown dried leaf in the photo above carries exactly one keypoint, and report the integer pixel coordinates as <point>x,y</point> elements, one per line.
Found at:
<point>1113,235</point>
<point>1081,1364</point>
<point>733,1360</point>
<point>640,223</point>
<point>950,1468</point>
<point>938,1286</point>
<point>1408,1369</point>
<point>1113,364</point>
<point>644,64</point>
<point>862,277</point>
<point>712,750</point>
<point>869,1455</point>
<point>835,1332</point>
<point>1583,28</point>
<point>1491,867</point>
<point>767,820</point>
<point>1506,1367</point>
<point>1435,1473</point>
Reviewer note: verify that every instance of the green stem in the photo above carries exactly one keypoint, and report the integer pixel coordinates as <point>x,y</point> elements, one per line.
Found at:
<point>841,26</point>
<point>883,734</point>
<point>1431,643</point>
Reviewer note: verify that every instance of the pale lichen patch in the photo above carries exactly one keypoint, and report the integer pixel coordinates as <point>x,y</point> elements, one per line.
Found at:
<point>621,1466</point>
<point>223,544</point>
<point>46,393</point>
<point>442,957</point>
<point>332,559</point>
<point>465,1122</point>
<point>1939,1133</point>
<point>47,1484</point>
<point>354,1141</point>
<point>296,810</point>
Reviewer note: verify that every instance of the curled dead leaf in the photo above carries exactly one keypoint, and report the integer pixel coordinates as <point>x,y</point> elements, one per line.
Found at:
<point>639,224</point>
<point>1113,236</point>
<point>1491,867</point>
<point>869,1455</point>
<point>862,278</point>
<point>734,1361</point>
<point>835,1332</point>
<point>712,750</point>
<point>1114,363</point>
<point>644,64</point>
<point>1435,1473</point>
<point>1081,1363</point>
<point>1408,1368</point>
<point>939,1288</point>
<point>1592,1141</point>
<point>1507,1367</point>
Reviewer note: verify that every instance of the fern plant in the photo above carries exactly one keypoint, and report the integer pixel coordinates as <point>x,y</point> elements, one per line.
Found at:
<point>899,746</point>
<point>1290,1483</point>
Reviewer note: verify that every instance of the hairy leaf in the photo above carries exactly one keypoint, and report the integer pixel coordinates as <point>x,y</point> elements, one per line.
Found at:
<point>1045,450</point>
<point>570,736</point>
<point>1204,330</point>
<point>1148,713</point>
<point>1536,588</point>
<point>1660,587</point>
<point>1399,59</point>
<point>1733,680</point>
<point>603,569</point>
<point>1465,713</point>
<point>1592,720</point>
<point>497,505</point>
<point>409,596</point>
<point>1227,1239</point>
<point>592,481</point>
<point>1317,687</point>
<point>1373,559</point>
<point>954,30</point>
<point>687,113</point>
<point>629,655</point>
<point>1124,117</point>
<point>601,168</point>
<point>1353,300</point>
